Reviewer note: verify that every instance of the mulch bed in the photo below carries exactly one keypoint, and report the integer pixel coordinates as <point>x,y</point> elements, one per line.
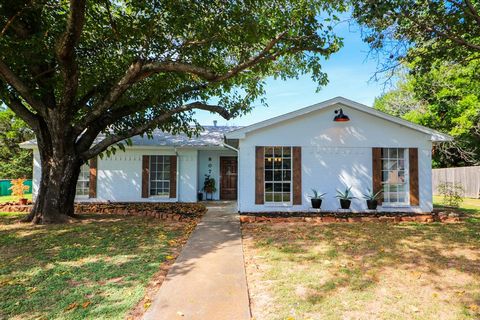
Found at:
<point>446,216</point>
<point>13,206</point>
<point>166,211</point>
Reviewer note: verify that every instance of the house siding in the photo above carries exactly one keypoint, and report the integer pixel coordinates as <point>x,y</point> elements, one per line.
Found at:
<point>119,177</point>
<point>334,155</point>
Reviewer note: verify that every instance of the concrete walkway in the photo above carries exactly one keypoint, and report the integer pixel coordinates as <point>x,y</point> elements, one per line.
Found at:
<point>208,279</point>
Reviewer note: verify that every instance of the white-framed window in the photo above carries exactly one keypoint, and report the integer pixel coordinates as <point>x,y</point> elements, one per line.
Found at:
<point>159,176</point>
<point>278,174</point>
<point>83,182</point>
<point>395,176</point>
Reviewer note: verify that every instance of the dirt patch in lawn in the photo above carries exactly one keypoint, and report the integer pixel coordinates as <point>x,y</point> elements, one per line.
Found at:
<point>363,270</point>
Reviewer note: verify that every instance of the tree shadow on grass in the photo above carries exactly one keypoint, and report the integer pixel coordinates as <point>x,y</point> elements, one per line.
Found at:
<point>98,266</point>
<point>362,253</point>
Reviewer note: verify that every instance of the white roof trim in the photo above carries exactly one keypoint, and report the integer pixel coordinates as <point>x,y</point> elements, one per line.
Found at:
<point>241,133</point>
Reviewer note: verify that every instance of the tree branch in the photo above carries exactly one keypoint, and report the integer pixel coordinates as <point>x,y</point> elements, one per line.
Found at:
<point>25,92</point>
<point>108,141</point>
<point>138,71</point>
<point>17,106</point>
<point>65,50</point>
<point>473,10</point>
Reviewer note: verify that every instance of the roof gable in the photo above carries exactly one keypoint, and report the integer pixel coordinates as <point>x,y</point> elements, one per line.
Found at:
<point>241,133</point>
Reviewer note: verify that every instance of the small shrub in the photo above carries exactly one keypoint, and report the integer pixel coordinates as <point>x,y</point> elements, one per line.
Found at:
<point>18,188</point>
<point>452,194</point>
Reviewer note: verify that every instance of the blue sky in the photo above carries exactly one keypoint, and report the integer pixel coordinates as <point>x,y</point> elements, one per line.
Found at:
<point>349,72</point>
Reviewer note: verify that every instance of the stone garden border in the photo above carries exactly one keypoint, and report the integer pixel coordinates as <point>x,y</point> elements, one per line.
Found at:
<point>333,217</point>
<point>166,211</point>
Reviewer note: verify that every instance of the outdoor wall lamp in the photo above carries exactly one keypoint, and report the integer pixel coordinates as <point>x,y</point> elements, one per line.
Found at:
<point>340,117</point>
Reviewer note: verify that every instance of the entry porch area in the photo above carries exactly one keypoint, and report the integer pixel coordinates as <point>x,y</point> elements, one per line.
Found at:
<point>220,166</point>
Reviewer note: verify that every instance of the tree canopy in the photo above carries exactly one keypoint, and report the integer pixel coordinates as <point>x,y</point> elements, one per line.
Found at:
<point>86,75</point>
<point>130,66</point>
<point>420,31</point>
<point>14,162</point>
<point>446,99</point>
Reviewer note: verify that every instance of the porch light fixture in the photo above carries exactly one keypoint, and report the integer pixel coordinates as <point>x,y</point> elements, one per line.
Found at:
<point>340,117</point>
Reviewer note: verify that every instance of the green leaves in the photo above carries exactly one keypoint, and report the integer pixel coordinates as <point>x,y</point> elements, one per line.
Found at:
<point>447,98</point>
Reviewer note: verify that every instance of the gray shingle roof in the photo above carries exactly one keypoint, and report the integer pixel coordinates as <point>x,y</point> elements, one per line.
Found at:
<point>211,136</point>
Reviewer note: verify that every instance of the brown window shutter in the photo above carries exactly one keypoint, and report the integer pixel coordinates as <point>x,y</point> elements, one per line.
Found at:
<point>92,192</point>
<point>377,172</point>
<point>413,171</point>
<point>173,176</point>
<point>297,175</point>
<point>145,175</point>
<point>259,175</point>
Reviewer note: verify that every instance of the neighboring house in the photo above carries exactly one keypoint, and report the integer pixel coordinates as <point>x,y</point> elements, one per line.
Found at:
<point>279,161</point>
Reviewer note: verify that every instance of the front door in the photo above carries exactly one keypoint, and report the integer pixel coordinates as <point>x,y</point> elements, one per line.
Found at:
<point>228,178</point>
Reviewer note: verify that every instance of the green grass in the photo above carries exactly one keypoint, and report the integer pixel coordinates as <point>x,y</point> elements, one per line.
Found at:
<point>469,205</point>
<point>365,270</point>
<point>12,198</point>
<point>96,268</point>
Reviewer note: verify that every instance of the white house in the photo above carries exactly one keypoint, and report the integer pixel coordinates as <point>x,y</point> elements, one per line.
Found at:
<point>273,165</point>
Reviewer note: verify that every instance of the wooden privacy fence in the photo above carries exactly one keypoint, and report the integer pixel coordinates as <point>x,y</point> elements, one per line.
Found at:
<point>468,177</point>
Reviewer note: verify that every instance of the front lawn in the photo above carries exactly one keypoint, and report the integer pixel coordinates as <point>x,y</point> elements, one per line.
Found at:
<point>96,268</point>
<point>469,206</point>
<point>13,199</point>
<point>364,270</point>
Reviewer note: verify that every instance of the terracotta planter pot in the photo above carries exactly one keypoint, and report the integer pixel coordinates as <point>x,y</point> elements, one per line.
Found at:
<point>23,201</point>
<point>345,204</point>
<point>316,203</point>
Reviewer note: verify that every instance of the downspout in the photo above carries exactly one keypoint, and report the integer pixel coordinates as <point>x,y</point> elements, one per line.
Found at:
<point>177,173</point>
<point>238,172</point>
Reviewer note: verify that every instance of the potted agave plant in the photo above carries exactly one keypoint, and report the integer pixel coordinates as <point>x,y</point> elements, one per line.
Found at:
<point>345,197</point>
<point>316,199</point>
<point>372,199</point>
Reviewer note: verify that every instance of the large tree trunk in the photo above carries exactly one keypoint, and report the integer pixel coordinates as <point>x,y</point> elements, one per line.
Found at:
<point>60,164</point>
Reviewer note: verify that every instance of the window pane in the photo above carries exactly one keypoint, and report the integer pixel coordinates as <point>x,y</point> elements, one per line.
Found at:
<point>393,197</point>
<point>268,175</point>
<point>268,187</point>
<point>287,152</point>
<point>268,152</point>
<point>286,197</point>
<point>392,153</point>
<point>384,176</point>
<point>287,164</point>
<point>268,197</point>
<point>286,187</point>
<point>401,153</point>
<point>286,175</point>
<point>277,187</point>
<point>278,152</point>
<point>268,163</point>
<point>277,175</point>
